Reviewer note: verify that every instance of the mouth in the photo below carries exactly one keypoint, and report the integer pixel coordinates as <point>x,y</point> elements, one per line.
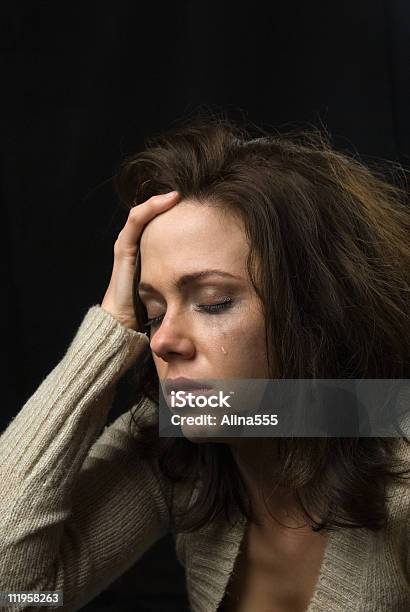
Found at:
<point>185,384</point>
<point>193,393</point>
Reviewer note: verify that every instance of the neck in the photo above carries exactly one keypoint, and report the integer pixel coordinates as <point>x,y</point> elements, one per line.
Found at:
<point>272,504</point>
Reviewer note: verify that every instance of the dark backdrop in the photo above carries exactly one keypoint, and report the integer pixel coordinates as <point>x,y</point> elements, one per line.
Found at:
<point>85,82</point>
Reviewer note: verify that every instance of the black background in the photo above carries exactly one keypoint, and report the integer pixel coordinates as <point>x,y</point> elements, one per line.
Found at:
<point>83,83</point>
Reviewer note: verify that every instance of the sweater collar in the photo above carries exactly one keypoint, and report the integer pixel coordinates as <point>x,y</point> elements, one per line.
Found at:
<point>212,556</point>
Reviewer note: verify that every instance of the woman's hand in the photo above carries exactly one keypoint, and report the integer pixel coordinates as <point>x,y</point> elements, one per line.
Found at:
<point>118,297</point>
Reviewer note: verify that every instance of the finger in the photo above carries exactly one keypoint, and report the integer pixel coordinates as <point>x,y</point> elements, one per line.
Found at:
<point>139,216</point>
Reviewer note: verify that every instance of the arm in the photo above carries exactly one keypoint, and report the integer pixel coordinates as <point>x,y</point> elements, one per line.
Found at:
<point>77,511</point>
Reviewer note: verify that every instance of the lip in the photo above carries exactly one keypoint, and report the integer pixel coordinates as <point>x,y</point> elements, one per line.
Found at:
<point>185,384</point>
<point>206,392</point>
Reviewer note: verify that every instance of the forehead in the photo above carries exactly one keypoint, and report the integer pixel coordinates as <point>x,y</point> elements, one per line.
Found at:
<point>192,235</point>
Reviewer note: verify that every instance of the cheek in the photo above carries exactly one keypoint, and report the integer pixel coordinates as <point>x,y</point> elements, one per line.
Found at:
<point>251,350</point>
<point>242,344</point>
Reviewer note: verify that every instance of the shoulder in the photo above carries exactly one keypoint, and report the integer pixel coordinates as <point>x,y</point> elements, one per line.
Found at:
<point>398,493</point>
<point>398,504</point>
<point>127,432</point>
<point>398,510</point>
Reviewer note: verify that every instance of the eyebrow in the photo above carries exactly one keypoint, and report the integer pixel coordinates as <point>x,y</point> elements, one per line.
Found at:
<point>186,279</point>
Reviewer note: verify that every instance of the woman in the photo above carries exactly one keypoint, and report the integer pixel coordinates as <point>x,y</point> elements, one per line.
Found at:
<point>247,258</point>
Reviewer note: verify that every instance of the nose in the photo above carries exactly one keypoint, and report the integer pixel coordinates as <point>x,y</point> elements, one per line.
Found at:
<point>172,339</point>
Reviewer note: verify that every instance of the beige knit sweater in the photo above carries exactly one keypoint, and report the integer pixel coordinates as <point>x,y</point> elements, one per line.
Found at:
<point>78,507</point>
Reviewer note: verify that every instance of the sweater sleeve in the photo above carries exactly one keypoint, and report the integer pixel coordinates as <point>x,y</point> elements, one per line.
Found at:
<point>78,505</point>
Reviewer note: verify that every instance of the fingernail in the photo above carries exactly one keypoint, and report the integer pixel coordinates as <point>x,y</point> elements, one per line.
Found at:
<point>170,194</point>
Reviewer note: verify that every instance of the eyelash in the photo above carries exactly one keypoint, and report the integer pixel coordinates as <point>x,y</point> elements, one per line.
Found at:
<point>209,308</point>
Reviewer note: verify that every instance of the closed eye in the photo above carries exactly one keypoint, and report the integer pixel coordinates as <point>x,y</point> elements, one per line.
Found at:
<point>208,308</point>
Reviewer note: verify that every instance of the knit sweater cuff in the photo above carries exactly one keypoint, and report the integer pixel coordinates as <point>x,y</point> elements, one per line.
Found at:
<point>48,440</point>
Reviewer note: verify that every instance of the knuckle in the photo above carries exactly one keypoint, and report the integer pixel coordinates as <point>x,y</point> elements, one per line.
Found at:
<point>156,199</point>
<point>134,213</point>
<point>117,247</point>
<point>122,251</point>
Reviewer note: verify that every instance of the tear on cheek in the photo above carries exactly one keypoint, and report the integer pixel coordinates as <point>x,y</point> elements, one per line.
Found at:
<point>223,350</point>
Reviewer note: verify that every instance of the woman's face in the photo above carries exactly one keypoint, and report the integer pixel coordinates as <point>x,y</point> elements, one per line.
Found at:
<point>187,340</point>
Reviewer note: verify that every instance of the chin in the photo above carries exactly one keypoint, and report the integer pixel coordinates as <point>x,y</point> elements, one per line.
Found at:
<point>202,434</point>
<point>200,439</point>
<point>198,434</point>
